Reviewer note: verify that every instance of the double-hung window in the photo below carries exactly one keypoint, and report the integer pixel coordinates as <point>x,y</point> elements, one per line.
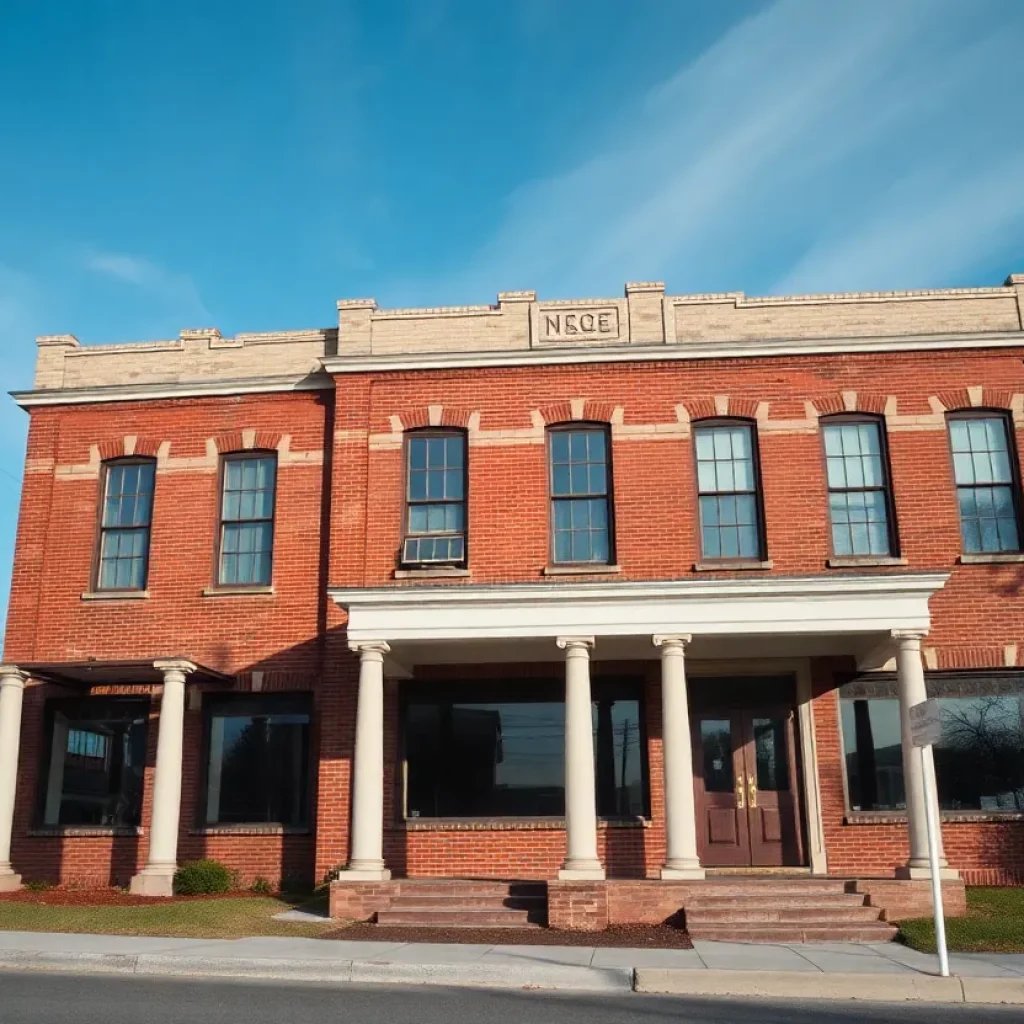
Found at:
<point>247,520</point>
<point>986,483</point>
<point>728,491</point>
<point>124,525</point>
<point>859,501</point>
<point>580,495</point>
<point>435,526</point>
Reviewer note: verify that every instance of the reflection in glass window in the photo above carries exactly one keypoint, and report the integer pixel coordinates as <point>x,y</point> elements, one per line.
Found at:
<point>985,483</point>
<point>124,525</point>
<point>247,520</point>
<point>716,747</point>
<point>435,499</point>
<point>258,761</point>
<point>579,495</point>
<point>96,761</point>
<point>979,763</point>
<point>470,756</point>
<point>727,487</point>
<point>858,502</point>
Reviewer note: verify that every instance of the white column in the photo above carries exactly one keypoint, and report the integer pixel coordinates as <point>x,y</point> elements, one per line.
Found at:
<point>366,848</point>
<point>911,689</point>
<point>681,860</point>
<point>157,877</point>
<point>12,688</point>
<point>581,861</point>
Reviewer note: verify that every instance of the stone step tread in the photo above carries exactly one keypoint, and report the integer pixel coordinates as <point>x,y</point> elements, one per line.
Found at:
<point>456,918</point>
<point>750,888</point>
<point>415,901</point>
<point>785,915</point>
<point>838,901</point>
<point>417,888</point>
<point>874,932</point>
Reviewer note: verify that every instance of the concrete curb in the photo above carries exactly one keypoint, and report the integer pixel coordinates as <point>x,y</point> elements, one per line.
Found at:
<point>877,988</point>
<point>332,972</point>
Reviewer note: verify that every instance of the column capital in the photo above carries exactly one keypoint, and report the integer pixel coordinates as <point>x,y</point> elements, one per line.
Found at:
<point>372,650</point>
<point>575,643</point>
<point>182,665</point>
<point>908,636</point>
<point>669,641</point>
<point>11,675</point>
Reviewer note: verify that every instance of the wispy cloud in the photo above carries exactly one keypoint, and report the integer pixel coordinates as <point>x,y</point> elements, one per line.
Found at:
<point>172,289</point>
<point>814,146</point>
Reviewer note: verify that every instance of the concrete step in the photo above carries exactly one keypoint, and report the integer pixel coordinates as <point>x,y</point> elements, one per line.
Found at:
<point>866,932</point>
<point>458,918</point>
<point>757,887</point>
<point>823,915</point>
<point>457,887</point>
<point>458,901</point>
<point>837,900</point>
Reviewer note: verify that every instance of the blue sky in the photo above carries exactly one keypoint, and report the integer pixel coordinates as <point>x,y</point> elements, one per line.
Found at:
<point>166,164</point>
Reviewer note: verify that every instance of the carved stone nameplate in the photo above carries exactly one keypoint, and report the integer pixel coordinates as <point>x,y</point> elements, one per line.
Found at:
<point>580,323</point>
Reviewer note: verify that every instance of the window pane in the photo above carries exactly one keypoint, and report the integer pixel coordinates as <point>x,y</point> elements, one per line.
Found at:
<point>717,755</point>
<point>618,757</point>
<point>559,446</point>
<point>417,453</point>
<point>97,759</point>
<point>257,766</point>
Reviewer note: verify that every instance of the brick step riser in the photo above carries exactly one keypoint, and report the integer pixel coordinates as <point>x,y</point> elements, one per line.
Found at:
<point>774,902</point>
<point>493,889</point>
<point>752,890</point>
<point>822,917</point>
<point>464,919</point>
<point>793,933</point>
<point>454,903</point>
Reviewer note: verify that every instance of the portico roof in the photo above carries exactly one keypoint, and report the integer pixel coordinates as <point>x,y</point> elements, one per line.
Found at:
<point>792,605</point>
<point>136,671</point>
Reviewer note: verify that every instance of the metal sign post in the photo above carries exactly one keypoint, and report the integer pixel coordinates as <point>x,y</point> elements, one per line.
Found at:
<point>925,730</point>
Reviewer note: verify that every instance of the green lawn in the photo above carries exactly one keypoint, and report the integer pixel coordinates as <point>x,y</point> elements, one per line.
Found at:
<point>228,917</point>
<point>994,924</point>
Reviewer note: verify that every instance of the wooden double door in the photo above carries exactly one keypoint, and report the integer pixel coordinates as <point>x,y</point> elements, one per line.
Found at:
<point>745,776</point>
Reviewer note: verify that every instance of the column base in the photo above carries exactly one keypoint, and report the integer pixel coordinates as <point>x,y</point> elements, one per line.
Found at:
<point>682,873</point>
<point>9,881</point>
<point>364,871</point>
<point>915,873</point>
<point>581,871</point>
<point>153,882</point>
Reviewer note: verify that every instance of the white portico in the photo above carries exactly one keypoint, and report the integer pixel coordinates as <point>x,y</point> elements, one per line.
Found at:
<point>761,622</point>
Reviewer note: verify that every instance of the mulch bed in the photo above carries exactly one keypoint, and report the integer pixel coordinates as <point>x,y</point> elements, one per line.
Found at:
<point>660,936</point>
<point>58,897</point>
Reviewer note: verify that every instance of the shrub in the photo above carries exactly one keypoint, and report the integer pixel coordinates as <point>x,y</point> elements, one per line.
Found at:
<point>261,886</point>
<point>38,885</point>
<point>202,878</point>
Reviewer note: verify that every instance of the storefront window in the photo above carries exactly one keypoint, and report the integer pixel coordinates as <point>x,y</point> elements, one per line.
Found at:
<point>257,761</point>
<point>499,751</point>
<point>96,762</point>
<point>979,764</point>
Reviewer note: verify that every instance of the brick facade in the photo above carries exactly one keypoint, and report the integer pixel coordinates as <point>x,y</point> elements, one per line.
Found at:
<point>339,524</point>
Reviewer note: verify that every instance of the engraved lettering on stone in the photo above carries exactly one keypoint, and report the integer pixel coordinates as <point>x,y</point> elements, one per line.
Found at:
<point>570,323</point>
<point>591,323</point>
<point>587,323</point>
<point>604,323</point>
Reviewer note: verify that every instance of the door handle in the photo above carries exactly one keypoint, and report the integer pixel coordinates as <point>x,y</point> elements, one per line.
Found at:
<point>740,796</point>
<point>752,789</point>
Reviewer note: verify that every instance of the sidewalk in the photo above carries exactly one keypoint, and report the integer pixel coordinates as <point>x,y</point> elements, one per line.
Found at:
<point>884,972</point>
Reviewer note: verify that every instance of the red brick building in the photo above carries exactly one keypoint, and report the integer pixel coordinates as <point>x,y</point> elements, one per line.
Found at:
<point>583,590</point>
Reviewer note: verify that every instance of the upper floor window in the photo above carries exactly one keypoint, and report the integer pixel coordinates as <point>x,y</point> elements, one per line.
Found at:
<point>986,482</point>
<point>247,520</point>
<point>728,491</point>
<point>859,497</point>
<point>125,524</point>
<point>435,495</point>
<point>580,495</point>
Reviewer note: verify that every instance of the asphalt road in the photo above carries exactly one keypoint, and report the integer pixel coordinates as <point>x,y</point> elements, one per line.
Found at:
<point>37,998</point>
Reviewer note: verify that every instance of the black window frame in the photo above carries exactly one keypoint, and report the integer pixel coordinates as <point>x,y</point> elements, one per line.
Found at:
<point>102,531</point>
<point>526,690</point>
<point>409,502</point>
<point>758,492</point>
<point>581,426</point>
<point>280,702</point>
<point>986,413</point>
<point>892,526</point>
<point>222,522</point>
<point>89,708</point>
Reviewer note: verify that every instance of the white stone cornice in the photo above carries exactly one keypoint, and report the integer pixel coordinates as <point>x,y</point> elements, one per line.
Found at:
<point>793,605</point>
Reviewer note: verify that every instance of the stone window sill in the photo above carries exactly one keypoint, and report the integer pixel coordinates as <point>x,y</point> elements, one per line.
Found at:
<point>992,558</point>
<point>863,562</point>
<point>238,592</point>
<point>250,830</point>
<point>581,570</point>
<point>115,595</point>
<point>438,573</point>
<point>505,824</point>
<point>744,564</point>
<point>948,817</point>
<point>86,831</point>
